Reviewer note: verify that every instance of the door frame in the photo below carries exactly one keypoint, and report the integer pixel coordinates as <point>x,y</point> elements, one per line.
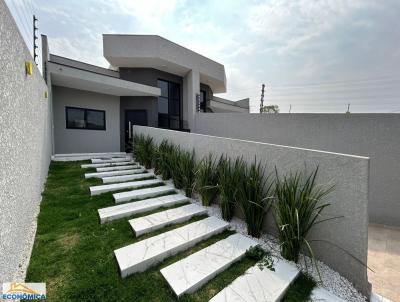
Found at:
<point>126,119</point>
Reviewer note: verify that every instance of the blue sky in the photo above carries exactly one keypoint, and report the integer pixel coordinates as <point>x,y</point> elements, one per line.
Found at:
<point>316,56</point>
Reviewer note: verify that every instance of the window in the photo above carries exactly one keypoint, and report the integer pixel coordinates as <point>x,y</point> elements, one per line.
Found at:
<point>169,105</point>
<point>203,101</point>
<point>80,118</point>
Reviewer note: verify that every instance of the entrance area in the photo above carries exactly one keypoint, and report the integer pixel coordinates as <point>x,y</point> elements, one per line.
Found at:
<point>133,117</point>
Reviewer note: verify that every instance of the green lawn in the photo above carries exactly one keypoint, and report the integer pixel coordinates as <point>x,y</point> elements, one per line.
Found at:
<point>73,252</point>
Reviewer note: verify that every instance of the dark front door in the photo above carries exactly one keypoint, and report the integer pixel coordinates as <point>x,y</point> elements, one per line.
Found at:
<point>134,117</point>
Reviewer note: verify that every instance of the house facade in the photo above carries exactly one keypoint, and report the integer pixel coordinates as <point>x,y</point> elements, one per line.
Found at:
<point>152,81</point>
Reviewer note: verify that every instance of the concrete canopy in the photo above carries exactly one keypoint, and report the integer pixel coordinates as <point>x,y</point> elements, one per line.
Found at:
<point>151,51</point>
<point>76,78</point>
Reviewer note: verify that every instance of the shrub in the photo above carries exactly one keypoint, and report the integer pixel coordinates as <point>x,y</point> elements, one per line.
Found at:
<point>230,176</point>
<point>206,179</point>
<point>143,150</point>
<point>254,198</point>
<point>173,160</point>
<point>187,166</point>
<point>263,257</point>
<point>297,207</point>
<point>161,159</point>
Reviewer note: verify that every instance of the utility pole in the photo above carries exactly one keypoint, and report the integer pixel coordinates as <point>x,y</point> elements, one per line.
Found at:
<point>348,109</point>
<point>35,46</point>
<point>262,98</point>
<point>290,108</point>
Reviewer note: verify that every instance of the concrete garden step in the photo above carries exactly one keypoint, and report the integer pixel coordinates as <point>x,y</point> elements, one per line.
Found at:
<point>123,163</point>
<point>260,285</point>
<point>110,160</point>
<point>113,173</point>
<point>142,193</point>
<point>119,168</point>
<point>136,207</point>
<point>141,255</point>
<point>190,273</point>
<point>321,294</point>
<point>122,178</point>
<point>96,190</point>
<point>146,224</point>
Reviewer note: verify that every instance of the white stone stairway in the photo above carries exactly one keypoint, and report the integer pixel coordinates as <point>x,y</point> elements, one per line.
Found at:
<point>192,272</point>
<point>260,284</point>
<point>118,168</point>
<point>124,178</point>
<point>110,160</point>
<point>86,166</point>
<point>96,190</point>
<point>113,173</point>
<point>142,193</point>
<point>156,221</point>
<point>141,255</point>
<point>136,207</point>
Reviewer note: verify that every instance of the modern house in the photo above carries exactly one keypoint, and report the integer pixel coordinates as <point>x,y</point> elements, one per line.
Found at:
<point>152,81</point>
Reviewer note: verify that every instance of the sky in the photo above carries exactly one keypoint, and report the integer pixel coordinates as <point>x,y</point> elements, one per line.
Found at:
<point>312,55</point>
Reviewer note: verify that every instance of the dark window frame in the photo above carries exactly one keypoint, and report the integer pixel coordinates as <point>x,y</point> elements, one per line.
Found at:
<point>203,105</point>
<point>85,110</point>
<point>170,99</point>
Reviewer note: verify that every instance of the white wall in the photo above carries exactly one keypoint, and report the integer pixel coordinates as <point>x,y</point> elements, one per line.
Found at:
<point>25,148</point>
<point>374,135</point>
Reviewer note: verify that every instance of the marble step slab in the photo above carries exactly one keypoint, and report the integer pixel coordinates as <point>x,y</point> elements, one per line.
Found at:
<point>123,163</point>
<point>142,206</point>
<point>142,193</point>
<point>118,168</point>
<point>322,295</point>
<point>122,178</point>
<point>113,173</point>
<point>260,285</point>
<point>156,221</point>
<point>96,190</point>
<point>141,255</point>
<point>192,272</point>
<point>110,160</point>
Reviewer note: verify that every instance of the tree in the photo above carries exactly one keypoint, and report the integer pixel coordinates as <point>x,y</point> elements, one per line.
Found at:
<point>270,109</point>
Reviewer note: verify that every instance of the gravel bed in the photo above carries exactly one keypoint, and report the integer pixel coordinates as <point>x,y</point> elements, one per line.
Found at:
<point>331,280</point>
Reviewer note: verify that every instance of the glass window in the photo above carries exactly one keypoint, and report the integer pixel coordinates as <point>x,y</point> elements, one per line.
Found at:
<point>174,107</point>
<point>174,122</point>
<point>163,85</point>
<point>203,101</point>
<point>163,120</point>
<point>169,105</point>
<point>174,92</point>
<point>163,105</point>
<point>80,118</point>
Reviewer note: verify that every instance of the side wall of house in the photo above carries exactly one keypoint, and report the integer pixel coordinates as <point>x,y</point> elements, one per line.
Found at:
<point>79,140</point>
<point>374,135</point>
<point>25,148</point>
<point>349,200</point>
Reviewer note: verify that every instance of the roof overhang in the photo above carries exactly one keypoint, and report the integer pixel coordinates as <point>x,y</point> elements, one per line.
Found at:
<point>150,51</point>
<point>76,78</point>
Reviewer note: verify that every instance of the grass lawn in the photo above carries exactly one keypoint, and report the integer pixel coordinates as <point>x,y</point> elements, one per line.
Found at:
<point>73,252</point>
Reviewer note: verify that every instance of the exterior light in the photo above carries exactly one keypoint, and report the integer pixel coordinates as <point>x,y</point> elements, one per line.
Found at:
<point>46,94</point>
<point>28,67</point>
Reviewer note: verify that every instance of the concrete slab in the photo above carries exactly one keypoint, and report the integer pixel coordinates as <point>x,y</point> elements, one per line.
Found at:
<point>119,168</point>
<point>113,173</point>
<point>260,285</point>
<point>123,163</point>
<point>96,190</point>
<point>190,273</point>
<point>122,178</point>
<point>142,206</point>
<point>142,193</point>
<point>110,160</point>
<point>156,221</point>
<point>141,255</point>
<point>320,294</point>
<point>86,156</point>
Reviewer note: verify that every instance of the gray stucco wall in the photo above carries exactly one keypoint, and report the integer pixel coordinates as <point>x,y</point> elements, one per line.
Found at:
<point>85,141</point>
<point>349,199</point>
<point>25,148</point>
<point>374,135</point>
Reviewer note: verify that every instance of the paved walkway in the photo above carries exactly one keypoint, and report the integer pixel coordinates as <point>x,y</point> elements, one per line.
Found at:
<point>384,259</point>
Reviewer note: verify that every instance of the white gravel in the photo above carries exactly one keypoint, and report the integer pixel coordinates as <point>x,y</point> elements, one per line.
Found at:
<point>331,280</point>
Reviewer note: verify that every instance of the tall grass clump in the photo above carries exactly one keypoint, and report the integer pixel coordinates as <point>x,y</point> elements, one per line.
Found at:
<point>161,159</point>
<point>230,175</point>
<point>187,169</point>
<point>143,150</point>
<point>173,159</point>
<point>206,179</point>
<point>297,209</point>
<point>254,198</point>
